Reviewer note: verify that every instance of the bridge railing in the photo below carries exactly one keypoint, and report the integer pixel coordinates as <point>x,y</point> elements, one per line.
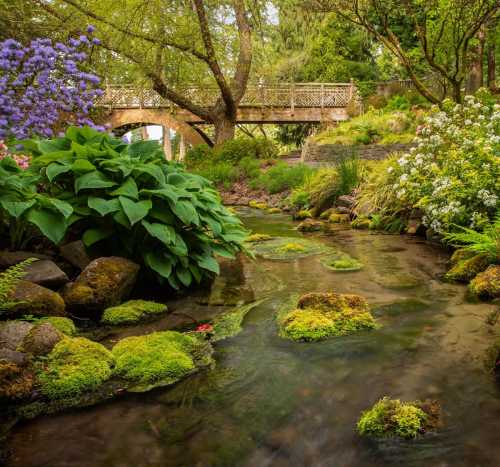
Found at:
<point>288,95</point>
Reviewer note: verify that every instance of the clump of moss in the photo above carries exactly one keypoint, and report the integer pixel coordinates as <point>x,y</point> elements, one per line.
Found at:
<point>486,285</point>
<point>292,248</point>
<point>132,312</point>
<point>288,248</point>
<point>303,214</point>
<point>229,324</point>
<point>15,382</point>
<point>360,222</point>
<point>310,225</point>
<point>258,238</point>
<point>74,366</point>
<point>258,205</point>
<point>156,359</point>
<point>336,218</point>
<point>274,210</point>
<point>322,315</point>
<point>460,255</point>
<point>341,264</point>
<point>466,269</point>
<point>393,418</point>
<point>64,325</point>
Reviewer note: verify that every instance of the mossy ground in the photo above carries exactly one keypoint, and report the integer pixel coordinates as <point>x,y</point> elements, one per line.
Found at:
<point>74,366</point>
<point>158,359</point>
<point>288,248</point>
<point>131,312</point>
<point>318,316</point>
<point>393,418</point>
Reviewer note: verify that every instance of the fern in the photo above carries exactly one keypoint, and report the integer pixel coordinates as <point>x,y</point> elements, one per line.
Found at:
<point>486,242</point>
<point>8,282</point>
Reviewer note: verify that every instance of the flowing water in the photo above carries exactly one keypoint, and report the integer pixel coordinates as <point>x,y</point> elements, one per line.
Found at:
<point>272,402</point>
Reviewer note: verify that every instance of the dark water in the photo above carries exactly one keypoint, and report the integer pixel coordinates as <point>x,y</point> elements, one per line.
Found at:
<point>272,402</point>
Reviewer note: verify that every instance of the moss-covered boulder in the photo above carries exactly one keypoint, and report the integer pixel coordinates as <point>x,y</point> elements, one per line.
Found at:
<point>337,218</point>
<point>133,311</point>
<point>486,285</point>
<point>257,237</point>
<point>16,382</point>
<point>41,339</point>
<point>35,300</point>
<point>274,210</point>
<point>159,359</point>
<point>393,418</point>
<point>302,214</point>
<point>13,333</point>
<point>318,316</point>
<point>361,223</point>
<point>105,282</point>
<point>75,366</point>
<point>258,205</point>
<point>62,324</point>
<point>288,248</point>
<point>466,269</point>
<point>310,225</point>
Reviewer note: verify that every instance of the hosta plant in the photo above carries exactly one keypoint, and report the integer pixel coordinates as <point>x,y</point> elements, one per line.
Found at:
<point>132,201</point>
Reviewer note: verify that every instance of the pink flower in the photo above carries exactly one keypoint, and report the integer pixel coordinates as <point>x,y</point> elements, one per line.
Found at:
<point>204,328</point>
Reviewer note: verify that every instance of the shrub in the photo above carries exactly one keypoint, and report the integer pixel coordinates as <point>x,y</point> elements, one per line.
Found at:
<point>398,102</point>
<point>130,200</point>
<point>282,177</point>
<point>236,149</point>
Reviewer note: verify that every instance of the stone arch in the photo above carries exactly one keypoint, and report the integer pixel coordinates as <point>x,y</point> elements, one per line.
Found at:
<point>161,117</point>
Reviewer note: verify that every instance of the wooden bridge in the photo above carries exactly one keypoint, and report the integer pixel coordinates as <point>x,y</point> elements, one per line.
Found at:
<point>262,103</point>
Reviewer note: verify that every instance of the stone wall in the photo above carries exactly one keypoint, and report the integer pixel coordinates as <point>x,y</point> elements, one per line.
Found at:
<point>334,152</point>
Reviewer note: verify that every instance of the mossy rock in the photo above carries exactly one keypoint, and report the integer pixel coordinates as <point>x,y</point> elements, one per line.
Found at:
<point>399,280</point>
<point>303,214</point>
<point>341,263</point>
<point>64,325</point>
<point>133,311</point>
<point>465,270</point>
<point>75,366</point>
<point>319,316</point>
<point>288,248</point>
<point>35,300</point>
<point>41,339</point>
<point>337,218</point>
<point>159,359</point>
<point>486,285</point>
<point>257,237</point>
<point>310,225</point>
<point>361,223</point>
<point>393,418</point>
<point>460,255</point>
<point>16,382</point>
<point>274,210</point>
<point>258,205</point>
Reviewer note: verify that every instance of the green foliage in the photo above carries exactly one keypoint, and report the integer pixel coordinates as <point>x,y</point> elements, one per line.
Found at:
<point>8,282</point>
<point>282,177</point>
<point>294,134</point>
<point>132,312</point>
<point>155,359</point>
<point>129,200</point>
<point>74,366</point>
<point>392,418</point>
<point>398,102</point>
<point>65,325</point>
<point>486,284</point>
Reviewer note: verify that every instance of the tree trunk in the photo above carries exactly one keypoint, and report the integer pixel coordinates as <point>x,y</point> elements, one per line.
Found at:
<point>476,78</point>
<point>492,67</point>
<point>224,129</point>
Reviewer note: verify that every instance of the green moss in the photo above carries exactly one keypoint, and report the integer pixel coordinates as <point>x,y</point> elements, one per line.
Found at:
<point>65,325</point>
<point>258,205</point>
<point>74,366</point>
<point>303,214</point>
<point>341,263</point>
<point>322,315</point>
<point>132,312</point>
<point>338,218</point>
<point>229,324</point>
<point>288,248</point>
<point>15,382</point>
<point>274,210</point>
<point>258,238</point>
<point>460,255</point>
<point>393,418</point>
<point>466,269</point>
<point>360,223</point>
<point>156,359</point>
<point>310,225</point>
<point>486,284</point>
<point>292,248</point>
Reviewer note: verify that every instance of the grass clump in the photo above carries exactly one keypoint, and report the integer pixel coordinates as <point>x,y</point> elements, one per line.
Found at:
<point>393,418</point>
<point>319,316</point>
<point>73,367</point>
<point>8,282</point>
<point>156,359</point>
<point>132,312</point>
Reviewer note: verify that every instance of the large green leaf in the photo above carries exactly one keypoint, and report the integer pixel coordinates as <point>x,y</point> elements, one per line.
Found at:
<point>50,223</point>
<point>167,193</point>
<point>103,206</point>
<point>159,262</point>
<point>57,156</point>
<point>128,188</point>
<point>184,275</point>
<point>135,211</point>
<point>55,169</point>
<point>62,206</point>
<point>186,212</point>
<point>152,170</point>
<point>82,166</point>
<point>176,178</point>
<point>93,180</point>
<point>16,208</point>
<point>164,233</point>
<point>92,236</point>
<point>208,262</point>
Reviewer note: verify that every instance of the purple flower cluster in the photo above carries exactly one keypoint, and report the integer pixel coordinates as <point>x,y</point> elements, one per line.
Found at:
<point>44,84</point>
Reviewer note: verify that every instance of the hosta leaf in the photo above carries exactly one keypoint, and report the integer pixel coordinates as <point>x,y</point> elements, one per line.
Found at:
<point>62,206</point>
<point>128,188</point>
<point>164,233</point>
<point>159,263</point>
<point>208,262</point>
<point>93,180</point>
<point>135,211</point>
<point>167,193</point>
<point>55,169</point>
<point>144,148</point>
<point>184,276</point>
<point>57,156</point>
<point>176,179</point>
<point>152,170</point>
<point>185,211</point>
<point>223,251</point>
<point>195,271</point>
<point>16,208</point>
<point>122,219</point>
<point>104,206</point>
<point>50,223</point>
<point>161,211</point>
<point>82,166</point>
<point>92,236</point>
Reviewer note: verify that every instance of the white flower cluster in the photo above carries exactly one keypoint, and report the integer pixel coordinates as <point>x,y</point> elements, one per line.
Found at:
<point>489,199</point>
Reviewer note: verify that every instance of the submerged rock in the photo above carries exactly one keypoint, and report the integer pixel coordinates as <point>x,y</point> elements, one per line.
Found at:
<point>393,418</point>
<point>133,311</point>
<point>310,225</point>
<point>33,299</point>
<point>486,285</point>
<point>318,316</point>
<point>257,237</point>
<point>104,282</point>
<point>229,324</point>
<point>258,205</point>
<point>159,359</point>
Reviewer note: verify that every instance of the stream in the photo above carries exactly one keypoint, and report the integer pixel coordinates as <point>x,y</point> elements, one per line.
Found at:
<point>273,402</point>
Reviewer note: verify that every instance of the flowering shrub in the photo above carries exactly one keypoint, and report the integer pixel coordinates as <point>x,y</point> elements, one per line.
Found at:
<point>44,82</point>
<point>453,174</point>
<point>22,161</point>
